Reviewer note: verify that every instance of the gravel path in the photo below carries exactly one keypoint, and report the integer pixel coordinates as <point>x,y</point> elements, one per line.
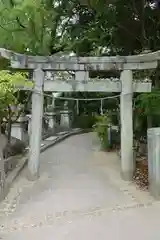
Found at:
<point>79,195</point>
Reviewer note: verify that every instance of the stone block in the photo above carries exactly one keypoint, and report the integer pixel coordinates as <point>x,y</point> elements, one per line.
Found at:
<point>154,161</point>
<point>18,129</point>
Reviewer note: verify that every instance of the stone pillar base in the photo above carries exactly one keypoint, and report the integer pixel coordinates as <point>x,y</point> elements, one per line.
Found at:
<point>65,121</point>
<point>127,175</point>
<point>154,189</point>
<point>32,177</point>
<point>52,121</point>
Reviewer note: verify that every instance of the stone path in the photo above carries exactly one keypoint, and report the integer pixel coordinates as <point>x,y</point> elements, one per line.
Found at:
<point>79,195</point>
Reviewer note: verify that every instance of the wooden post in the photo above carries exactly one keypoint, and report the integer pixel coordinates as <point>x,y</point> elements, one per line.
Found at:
<point>127,161</point>
<point>36,125</point>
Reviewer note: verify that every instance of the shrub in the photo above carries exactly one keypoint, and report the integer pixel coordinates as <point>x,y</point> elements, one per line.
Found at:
<point>101,128</point>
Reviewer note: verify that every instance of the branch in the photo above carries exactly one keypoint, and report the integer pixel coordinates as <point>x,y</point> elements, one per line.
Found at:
<point>10,30</point>
<point>42,31</point>
<point>17,18</point>
<point>19,22</point>
<point>33,27</point>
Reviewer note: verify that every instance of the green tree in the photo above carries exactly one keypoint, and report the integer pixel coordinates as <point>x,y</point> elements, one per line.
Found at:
<point>9,87</point>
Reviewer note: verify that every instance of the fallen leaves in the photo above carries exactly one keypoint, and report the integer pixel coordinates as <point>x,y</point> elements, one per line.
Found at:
<point>141,174</point>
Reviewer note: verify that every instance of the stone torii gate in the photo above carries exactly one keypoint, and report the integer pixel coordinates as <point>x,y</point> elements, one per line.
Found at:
<point>81,65</point>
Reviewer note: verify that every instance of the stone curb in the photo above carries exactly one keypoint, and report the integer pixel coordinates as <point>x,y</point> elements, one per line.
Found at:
<point>14,174</point>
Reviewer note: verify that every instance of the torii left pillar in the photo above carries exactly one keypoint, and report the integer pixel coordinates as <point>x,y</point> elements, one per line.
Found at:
<point>126,111</point>
<point>36,125</point>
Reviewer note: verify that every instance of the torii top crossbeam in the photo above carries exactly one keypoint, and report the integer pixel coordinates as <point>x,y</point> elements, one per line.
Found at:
<point>57,63</point>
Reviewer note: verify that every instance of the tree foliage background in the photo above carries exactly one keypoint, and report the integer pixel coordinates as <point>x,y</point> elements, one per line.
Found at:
<point>85,27</point>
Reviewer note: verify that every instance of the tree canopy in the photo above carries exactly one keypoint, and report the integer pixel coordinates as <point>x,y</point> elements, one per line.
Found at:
<point>85,27</point>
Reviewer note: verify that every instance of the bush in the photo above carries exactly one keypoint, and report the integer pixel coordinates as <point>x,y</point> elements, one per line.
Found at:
<point>101,128</point>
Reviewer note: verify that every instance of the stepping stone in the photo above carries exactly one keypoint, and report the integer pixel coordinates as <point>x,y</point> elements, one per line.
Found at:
<point>62,133</point>
<point>51,138</point>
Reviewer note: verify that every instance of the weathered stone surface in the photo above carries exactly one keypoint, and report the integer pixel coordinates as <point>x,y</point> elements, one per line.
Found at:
<point>142,61</point>
<point>10,149</point>
<point>93,85</point>
<point>126,114</point>
<point>36,126</point>
<point>154,161</point>
<point>15,147</point>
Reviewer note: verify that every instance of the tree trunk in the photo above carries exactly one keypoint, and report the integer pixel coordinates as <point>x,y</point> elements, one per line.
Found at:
<point>9,127</point>
<point>149,121</point>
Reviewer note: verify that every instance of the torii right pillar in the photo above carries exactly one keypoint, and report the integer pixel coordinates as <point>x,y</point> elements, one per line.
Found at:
<point>126,113</point>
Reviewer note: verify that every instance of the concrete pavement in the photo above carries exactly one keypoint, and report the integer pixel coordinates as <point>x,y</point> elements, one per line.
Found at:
<point>79,195</point>
<point>132,224</point>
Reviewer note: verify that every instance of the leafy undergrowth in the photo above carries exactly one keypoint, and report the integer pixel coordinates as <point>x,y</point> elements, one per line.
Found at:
<point>141,174</point>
